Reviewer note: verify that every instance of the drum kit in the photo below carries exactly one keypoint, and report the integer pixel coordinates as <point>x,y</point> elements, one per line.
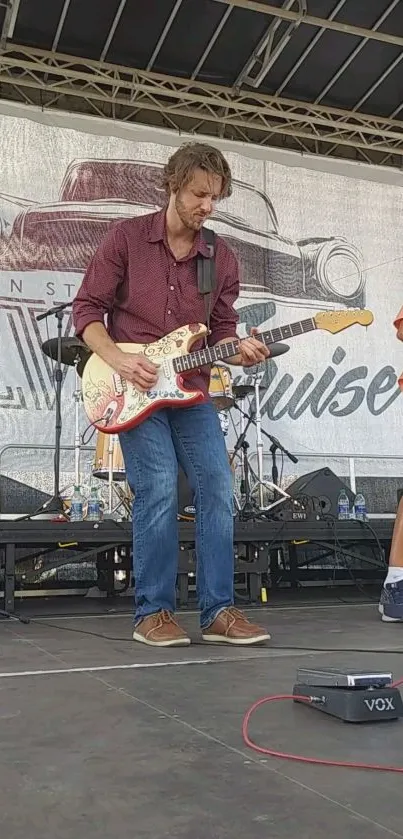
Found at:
<point>250,500</point>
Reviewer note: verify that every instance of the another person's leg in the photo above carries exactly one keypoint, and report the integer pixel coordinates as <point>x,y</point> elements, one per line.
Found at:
<point>152,473</point>
<point>200,448</point>
<point>391,602</point>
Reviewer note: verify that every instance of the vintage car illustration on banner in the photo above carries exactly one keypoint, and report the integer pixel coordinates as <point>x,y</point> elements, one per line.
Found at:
<point>62,236</point>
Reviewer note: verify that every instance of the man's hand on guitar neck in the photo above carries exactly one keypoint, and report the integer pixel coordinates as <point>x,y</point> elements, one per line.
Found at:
<point>251,351</point>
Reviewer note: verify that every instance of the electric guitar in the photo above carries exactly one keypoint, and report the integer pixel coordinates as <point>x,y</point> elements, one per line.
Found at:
<point>113,404</point>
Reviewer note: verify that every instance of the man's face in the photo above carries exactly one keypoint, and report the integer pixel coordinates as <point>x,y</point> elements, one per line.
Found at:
<point>195,202</point>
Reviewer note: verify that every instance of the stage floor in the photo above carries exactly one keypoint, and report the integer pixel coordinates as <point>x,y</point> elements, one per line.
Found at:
<point>103,738</point>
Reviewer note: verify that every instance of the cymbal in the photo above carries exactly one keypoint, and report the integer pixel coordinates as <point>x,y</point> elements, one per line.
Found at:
<point>240,391</point>
<point>72,350</point>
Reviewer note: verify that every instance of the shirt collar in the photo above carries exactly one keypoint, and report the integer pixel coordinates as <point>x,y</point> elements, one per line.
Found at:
<point>157,234</point>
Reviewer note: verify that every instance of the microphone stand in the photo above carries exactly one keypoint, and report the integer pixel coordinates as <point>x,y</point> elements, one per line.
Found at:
<point>248,508</point>
<point>276,446</point>
<point>55,504</point>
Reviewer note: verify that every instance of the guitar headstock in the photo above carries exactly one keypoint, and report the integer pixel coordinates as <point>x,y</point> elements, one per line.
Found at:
<point>337,321</point>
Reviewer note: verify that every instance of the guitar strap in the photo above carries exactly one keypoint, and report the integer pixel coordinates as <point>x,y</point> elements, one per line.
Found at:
<point>206,275</point>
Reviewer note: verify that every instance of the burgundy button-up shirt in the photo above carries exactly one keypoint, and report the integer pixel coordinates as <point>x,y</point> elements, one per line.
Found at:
<point>135,280</point>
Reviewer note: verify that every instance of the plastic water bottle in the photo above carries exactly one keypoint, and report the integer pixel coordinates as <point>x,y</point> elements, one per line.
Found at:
<point>94,505</point>
<point>76,508</point>
<point>360,507</point>
<point>343,505</point>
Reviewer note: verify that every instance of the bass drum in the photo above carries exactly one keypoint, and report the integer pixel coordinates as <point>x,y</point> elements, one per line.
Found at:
<point>108,452</point>
<point>220,388</point>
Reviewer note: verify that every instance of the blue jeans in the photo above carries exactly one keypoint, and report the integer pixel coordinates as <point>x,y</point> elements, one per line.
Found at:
<point>193,437</point>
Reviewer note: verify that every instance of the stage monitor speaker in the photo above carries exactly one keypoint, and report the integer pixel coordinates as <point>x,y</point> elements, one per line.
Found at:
<point>319,492</point>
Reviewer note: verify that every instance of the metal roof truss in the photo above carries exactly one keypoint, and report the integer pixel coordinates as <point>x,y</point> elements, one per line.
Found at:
<point>53,80</point>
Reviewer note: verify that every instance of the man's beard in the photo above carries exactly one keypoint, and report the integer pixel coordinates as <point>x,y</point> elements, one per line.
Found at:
<point>189,221</point>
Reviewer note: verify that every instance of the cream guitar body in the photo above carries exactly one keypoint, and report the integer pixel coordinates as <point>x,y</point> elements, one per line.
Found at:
<point>113,404</point>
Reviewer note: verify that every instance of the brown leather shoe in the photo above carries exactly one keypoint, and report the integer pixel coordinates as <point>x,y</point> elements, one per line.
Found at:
<point>160,630</point>
<point>233,627</point>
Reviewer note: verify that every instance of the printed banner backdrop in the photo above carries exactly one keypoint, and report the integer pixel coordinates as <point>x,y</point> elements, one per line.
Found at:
<point>311,236</point>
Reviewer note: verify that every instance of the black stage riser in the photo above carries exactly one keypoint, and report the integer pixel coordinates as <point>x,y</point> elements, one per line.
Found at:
<point>256,546</point>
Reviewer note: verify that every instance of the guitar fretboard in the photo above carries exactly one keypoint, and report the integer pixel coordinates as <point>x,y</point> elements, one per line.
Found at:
<point>210,355</point>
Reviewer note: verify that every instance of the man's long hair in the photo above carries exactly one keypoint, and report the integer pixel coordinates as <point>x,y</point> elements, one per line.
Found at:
<point>191,156</point>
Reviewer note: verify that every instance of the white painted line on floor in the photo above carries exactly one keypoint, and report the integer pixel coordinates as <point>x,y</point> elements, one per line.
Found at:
<point>149,665</point>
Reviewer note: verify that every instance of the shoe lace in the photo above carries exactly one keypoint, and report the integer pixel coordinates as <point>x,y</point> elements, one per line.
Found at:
<point>167,617</point>
<point>237,614</point>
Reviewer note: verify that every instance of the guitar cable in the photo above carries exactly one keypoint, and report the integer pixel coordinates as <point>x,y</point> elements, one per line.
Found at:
<point>316,761</point>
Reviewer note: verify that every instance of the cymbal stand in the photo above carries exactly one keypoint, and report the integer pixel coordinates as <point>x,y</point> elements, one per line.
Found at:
<point>113,485</point>
<point>244,482</point>
<point>77,437</point>
<point>259,438</point>
<point>256,420</point>
<point>248,508</point>
<point>55,504</point>
<point>111,441</point>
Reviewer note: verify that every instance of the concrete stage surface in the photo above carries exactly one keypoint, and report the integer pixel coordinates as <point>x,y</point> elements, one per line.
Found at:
<point>105,739</point>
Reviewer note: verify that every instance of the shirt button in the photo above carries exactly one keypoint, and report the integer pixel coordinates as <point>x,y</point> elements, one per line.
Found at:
<point>172,287</point>
<point>169,312</point>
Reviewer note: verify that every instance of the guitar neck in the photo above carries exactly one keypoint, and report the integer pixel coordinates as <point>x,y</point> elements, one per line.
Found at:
<point>221,352</point>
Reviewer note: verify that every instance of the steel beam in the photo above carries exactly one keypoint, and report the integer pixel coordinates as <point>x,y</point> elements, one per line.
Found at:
<point>354,53</point>
<point>273,54</point>
<point>308,49</point>
<point>164,33</point>
<point>9,22</point>
<point>378,82</point>
<point>60,24</point>
<point>211,43</point>
<point>112,30</point>
<point>184,102</point>
<point>311,20</point>
<point>265,43</point>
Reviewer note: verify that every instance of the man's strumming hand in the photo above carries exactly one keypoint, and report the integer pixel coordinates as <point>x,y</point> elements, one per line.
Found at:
<point>137,369</point>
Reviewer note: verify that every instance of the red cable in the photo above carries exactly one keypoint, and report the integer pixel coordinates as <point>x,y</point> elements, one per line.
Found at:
<point>301,758</point>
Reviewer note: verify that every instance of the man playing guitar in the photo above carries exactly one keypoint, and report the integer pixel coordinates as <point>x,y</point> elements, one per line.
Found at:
<point>143,277</point>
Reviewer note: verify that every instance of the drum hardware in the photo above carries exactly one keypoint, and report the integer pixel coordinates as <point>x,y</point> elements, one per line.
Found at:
<point>276,446</point>
<point>77,438</point>
<point>125,499</point>
<point>54,349</point>
<point>109,466</point>
<point>220,388</point>
<point>243,390</point>
<point>247,509</point>
<point>74,353</point>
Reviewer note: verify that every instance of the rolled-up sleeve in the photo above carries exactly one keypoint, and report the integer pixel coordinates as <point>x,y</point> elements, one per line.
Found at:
<point>104,274</point>
<point>224,318</point>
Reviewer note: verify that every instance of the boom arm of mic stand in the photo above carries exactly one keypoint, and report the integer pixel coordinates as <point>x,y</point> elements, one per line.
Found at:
<point>242,437</point>
<point>53,311</point>
<point>272,439</point>
<point>277,445</point>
